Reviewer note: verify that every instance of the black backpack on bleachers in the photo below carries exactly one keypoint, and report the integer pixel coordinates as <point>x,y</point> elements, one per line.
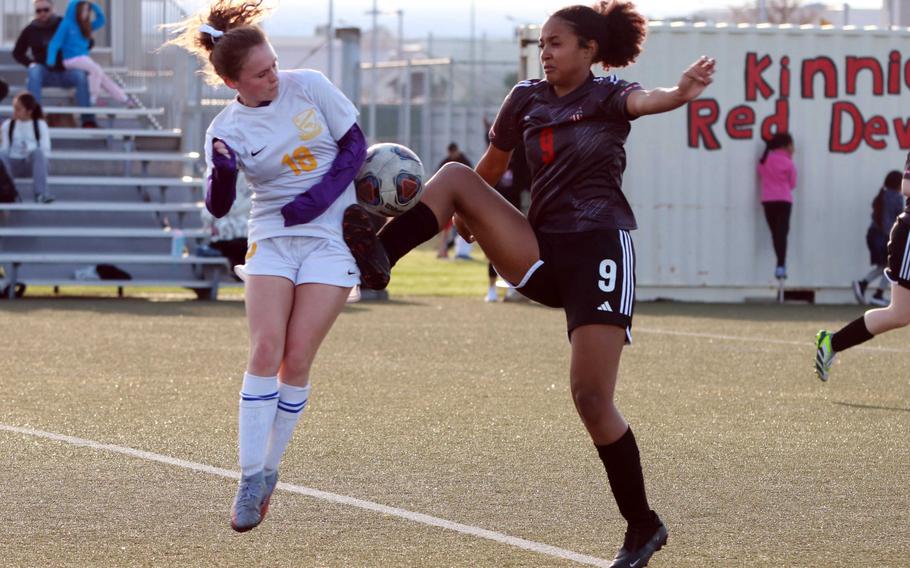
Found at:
<point>8,193</point>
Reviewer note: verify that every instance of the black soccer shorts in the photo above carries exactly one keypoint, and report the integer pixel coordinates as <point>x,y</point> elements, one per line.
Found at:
<point>899,255</point>
<point>591,275</point>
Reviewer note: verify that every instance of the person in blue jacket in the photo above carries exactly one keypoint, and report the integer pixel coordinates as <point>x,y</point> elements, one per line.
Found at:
<point>72,42</point>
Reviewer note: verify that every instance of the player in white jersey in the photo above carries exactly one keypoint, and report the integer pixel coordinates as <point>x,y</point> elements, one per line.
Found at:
<point>296,139</point>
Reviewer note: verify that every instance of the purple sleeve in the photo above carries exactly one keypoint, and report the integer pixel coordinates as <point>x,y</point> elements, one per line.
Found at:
<point>222,183</point>
<point>352,151</point>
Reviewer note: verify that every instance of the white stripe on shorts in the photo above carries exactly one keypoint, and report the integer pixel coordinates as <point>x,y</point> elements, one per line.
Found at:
<point>905,265</point>
<point>631,274</point>
<point>625,306</point>
<point>625,268</point>
<point>528,274</point>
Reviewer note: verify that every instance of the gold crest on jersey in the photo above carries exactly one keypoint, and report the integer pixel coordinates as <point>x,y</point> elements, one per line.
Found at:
<point>308,124</point>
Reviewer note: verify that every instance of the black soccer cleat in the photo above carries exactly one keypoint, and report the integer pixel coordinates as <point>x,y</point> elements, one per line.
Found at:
<point>641,542</point>
<point>360,236</point>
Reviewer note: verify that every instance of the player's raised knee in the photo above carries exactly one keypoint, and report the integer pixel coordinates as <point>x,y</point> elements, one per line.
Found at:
<point>455,171</point>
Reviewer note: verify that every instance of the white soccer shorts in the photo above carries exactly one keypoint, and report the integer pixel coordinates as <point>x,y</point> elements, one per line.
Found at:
<point>302,260</point>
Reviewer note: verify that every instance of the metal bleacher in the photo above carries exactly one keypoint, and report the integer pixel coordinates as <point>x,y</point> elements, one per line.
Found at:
<point>123,193</point>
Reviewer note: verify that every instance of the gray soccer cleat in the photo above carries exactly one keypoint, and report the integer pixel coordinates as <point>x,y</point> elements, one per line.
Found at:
<point>246,511</point>
<point>271,480</point>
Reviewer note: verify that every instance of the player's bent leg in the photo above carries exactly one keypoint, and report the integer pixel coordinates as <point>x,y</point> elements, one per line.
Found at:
<point>268,303</point>
<point>315,309</point>
<point>268,307</point>
<point>862,329</point>
<point>501,230</point>
<point>895,316</point>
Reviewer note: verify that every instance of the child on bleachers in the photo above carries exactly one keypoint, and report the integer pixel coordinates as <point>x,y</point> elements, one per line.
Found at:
<point>73,40</point>
<point>26,144</point>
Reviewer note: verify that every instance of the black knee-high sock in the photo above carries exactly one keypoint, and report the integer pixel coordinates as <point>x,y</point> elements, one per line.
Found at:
<point>623,465</point>
<point>851,335</point>
<point>408,231</point>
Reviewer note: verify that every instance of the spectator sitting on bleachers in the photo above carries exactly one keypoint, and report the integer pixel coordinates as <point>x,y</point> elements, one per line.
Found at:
<point>72,42</point>
<point>4,89</point>
<point>26,144</point>
<point>229,233</point>
<point>35,38</point>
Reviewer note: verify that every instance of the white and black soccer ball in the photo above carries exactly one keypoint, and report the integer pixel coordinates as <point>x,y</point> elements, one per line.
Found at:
<point>390,181</point>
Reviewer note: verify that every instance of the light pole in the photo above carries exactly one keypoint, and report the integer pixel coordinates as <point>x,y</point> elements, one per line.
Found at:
<point>400,14</point>
<point>330,39</point>
<point>373,77</point>
<point>404,78</point>
<point>894,13</point>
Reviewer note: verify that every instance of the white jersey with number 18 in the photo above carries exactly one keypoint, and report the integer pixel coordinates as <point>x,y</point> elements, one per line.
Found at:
<point>286,147</point>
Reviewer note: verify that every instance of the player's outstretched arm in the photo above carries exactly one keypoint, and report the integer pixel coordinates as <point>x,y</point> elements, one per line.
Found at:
<point>692,83</point>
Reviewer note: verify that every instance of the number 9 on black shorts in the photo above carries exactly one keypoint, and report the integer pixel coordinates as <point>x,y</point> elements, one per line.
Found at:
<point>591,275</point>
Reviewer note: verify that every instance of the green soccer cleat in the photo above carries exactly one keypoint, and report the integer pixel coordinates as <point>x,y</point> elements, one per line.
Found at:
<point>824,354</point>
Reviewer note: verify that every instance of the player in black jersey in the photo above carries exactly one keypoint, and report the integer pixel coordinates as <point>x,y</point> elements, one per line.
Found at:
<point>574,250</point>
<point>876,322</point>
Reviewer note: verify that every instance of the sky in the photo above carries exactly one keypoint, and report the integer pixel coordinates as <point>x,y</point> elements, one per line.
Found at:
<point>452,18</point>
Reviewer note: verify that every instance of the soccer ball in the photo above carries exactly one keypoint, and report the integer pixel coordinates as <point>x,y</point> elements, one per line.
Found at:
<point>390,181</point>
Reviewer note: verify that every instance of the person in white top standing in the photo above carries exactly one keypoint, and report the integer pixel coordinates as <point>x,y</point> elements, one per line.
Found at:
<point>26,144</point>
<point>294,136</point>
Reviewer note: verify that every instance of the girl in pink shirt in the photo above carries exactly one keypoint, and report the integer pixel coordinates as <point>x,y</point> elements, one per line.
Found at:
<point>778,179</point>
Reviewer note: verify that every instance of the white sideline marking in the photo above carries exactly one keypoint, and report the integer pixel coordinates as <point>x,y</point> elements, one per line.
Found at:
<point>530,545</point>
<point>807,344</point>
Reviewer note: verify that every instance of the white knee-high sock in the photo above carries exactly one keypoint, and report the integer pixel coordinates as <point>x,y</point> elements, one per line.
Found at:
<point>291,402</point>
<point>258,403</point>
